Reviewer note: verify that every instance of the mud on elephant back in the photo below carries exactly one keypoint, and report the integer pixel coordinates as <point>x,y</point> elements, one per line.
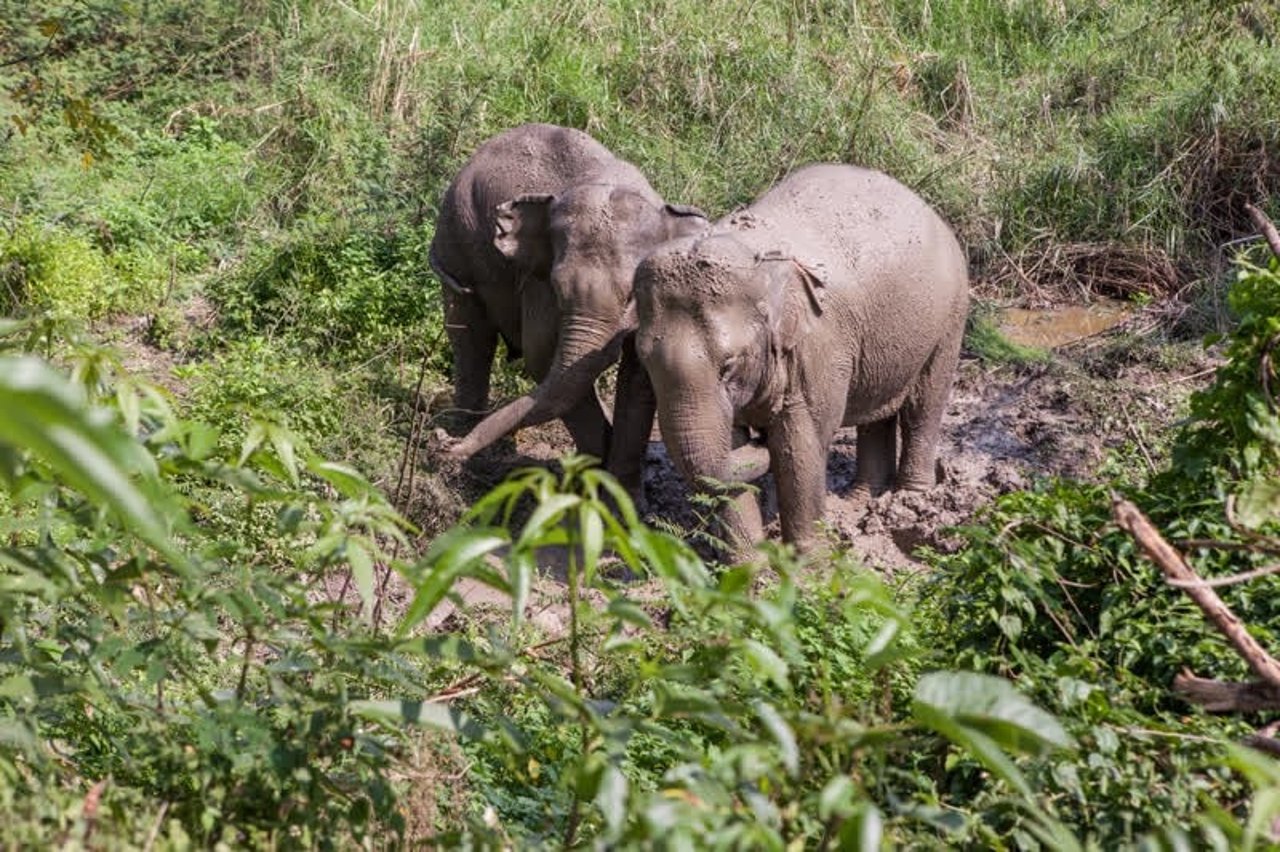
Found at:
<point>536,243</point>
<point>837,298</point>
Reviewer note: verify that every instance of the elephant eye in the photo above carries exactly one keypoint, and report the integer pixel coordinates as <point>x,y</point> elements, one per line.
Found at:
<point>728,366</point>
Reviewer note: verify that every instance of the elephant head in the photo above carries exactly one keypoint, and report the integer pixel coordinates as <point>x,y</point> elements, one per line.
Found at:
<point>585,242</point>
<point>719,322</point>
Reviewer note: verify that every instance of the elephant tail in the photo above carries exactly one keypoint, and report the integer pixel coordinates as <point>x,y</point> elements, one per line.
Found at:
<point>446,277</point>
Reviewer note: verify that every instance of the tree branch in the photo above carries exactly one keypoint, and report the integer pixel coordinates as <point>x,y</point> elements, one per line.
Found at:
<point>1175,567</point>
<point>1264,225</point>
<point>1218,696</point>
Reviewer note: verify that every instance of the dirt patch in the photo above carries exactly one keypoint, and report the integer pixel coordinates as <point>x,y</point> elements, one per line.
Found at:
<point>1003,429</point>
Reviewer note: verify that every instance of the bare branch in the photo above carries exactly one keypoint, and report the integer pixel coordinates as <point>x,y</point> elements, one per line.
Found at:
<point>1214,582</point>
<point>1219,696</point>
<point>1264,225</point>
<point>1174,567</point>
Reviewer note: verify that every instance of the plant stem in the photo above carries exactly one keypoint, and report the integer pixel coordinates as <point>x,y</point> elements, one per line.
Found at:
<point>575,815</point>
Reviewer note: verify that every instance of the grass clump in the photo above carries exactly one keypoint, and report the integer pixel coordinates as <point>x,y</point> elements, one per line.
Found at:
<point>63,273</point>
<point>984,340</point>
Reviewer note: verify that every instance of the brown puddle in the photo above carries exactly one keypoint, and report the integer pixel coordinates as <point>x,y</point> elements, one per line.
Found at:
<point>1065,324</point>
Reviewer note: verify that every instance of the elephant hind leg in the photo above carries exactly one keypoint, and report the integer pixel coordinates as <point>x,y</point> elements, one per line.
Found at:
<point>921,416</point>
<point>877,456</point>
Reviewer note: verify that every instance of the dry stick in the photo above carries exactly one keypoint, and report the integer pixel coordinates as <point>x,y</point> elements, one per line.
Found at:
<point>1218,696</point>
<point>1264,225</point>
<point>404,485</point>
<point>1174,567</point>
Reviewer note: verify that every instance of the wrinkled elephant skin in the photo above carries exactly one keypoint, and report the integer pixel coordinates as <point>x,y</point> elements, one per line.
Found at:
<point>536,243</point>
<point>837,298</point>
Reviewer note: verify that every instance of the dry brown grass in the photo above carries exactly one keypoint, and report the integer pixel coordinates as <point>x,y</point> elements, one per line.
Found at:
<point>1050,272</point>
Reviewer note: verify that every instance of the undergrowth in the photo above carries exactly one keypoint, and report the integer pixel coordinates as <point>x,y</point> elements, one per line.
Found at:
<point>210,670</point>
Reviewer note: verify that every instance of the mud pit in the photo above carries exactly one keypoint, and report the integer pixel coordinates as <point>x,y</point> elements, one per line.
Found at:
<point>1004,428</point>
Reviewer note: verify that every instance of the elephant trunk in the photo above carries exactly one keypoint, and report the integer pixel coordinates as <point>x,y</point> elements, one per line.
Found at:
<point>585,349</point>
<point>697,434</point>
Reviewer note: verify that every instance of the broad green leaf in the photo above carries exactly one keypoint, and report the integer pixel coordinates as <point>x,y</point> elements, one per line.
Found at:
<point>361,562</point>
<point>611,797</point>
<point>591,529</point>
<point>347,481</point>
<point>781,733</point>
<point>49,416</point>
<point>1259,502</point>
<point>449,557</point>
<point>864,830</point>
<point>432,714</point>
<point>625,609</point>
<point>1263,810</point>
<point>545,515</point>
<point>1261,769</point>
<point>836,798</point>
<point>766,662</point>
<point>882,648</point>
<point>252,440</point>
<point>980,746</point>
<point>283,442</point>
<point>993,706</point>
<point>520,571</point>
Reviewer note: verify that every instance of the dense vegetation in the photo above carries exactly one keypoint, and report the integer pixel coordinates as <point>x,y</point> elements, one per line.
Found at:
<point>198,638</point>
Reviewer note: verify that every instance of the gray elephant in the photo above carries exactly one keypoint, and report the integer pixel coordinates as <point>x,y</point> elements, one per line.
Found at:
<point>536,242</point>
<point>837,298</point>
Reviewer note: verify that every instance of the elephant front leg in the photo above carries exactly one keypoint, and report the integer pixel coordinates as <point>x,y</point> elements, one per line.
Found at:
<point>474,340</point>
<point>741,524</point>
<point>798,450</point>
<point>587,423</point>
<point>633,411</point>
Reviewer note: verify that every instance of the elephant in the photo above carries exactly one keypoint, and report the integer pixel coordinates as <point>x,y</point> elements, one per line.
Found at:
<point>536,242</point>
<point>837,298</point>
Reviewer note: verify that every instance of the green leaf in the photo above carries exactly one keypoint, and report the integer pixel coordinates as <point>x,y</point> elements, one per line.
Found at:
<point>611,797</point>
<point>449,557</point>
<point>591,530</point>
<point>781,733</point>
<point>992,706</point>
<point>361,562</point>
<point>836,798</point>
<point>1258,503</point>
<point>347,481</point>
<point>432,714</point>
<point>283,442</point>
<point>864,831</point>
<point>977,744</point>
<point>625,609</point>
<point>882,647</point>
<point>547,513</point>
<point>49,416</point>
<point>766,662</point>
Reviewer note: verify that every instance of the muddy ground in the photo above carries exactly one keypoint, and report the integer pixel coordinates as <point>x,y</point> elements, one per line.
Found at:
<point>1005,427</point>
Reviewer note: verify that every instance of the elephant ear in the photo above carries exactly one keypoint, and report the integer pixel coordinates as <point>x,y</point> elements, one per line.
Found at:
<point>522,231</point>
<point>683,220</point>
<point>797,295</point>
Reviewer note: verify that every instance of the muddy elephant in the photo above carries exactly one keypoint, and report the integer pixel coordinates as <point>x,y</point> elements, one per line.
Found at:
<point>536,243</point>
<point>836,298</point>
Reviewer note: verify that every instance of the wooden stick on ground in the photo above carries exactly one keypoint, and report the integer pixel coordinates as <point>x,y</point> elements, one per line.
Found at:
<point>1264,225</point>
<point>1174,567</point>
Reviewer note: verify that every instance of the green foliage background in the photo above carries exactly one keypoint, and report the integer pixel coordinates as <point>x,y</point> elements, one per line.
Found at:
<point>256,183</point>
